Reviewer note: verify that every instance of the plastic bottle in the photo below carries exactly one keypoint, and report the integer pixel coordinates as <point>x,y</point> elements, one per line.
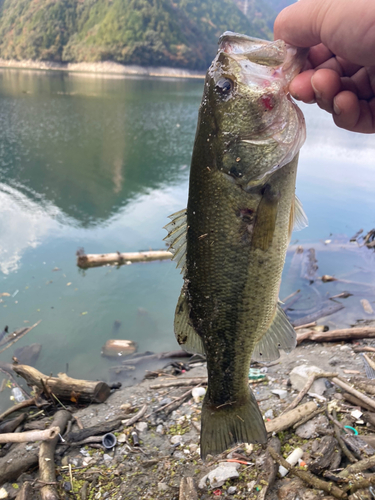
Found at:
<point>17,394</point>
<point>292,460</point>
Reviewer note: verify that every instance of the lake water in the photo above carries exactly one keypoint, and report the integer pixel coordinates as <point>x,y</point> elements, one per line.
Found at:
<point>99,163</point>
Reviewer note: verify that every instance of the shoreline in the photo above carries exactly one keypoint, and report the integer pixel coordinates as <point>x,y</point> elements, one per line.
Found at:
<point>100,68</point>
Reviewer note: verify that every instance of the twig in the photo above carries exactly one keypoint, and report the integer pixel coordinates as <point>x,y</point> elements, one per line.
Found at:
<point>307,477</point>
<point>136,417</point>
<point>369,361</point>
<point>291,417</point>
<point>366,332</point>
<point>343,446</point>
<point>184,395</point>
<point>364,349</point>
<point>180,383</point>
<point>353,391</point>
<point>29,436</point>
<point>290,296</point>
<point>306,388</point>
<point>20,337</point>
<point>362,484</point>
<point>307,325</point>
<point>19,406</point>
<point>365,464</point>
<point>309,417</point>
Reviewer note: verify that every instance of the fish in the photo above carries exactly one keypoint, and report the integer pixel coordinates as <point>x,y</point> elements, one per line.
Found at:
<point>231,240</point>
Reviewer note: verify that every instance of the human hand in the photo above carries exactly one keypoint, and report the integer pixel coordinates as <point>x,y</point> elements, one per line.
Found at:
<point>340,72</point>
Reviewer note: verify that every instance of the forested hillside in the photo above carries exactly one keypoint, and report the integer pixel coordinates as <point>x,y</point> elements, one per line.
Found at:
<point>179,33</point>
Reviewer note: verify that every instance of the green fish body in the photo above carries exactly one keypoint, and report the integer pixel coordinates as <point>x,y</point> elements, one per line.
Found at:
<point>232,239</point>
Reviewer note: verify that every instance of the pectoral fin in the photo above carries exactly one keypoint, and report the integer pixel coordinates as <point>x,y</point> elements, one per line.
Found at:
<point>265,221</point>
<point>280,335</point>
<point>298,219</point>
<point>176,238</point>
<point>186,336</point>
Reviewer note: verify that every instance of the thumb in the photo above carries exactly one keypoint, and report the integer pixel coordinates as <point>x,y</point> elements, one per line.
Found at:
<point>345,27</point>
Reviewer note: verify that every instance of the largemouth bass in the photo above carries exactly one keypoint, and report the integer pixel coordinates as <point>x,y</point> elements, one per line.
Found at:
<point>231,240</point>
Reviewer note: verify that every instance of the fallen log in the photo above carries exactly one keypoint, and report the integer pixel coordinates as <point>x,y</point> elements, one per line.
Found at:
<point>291,417</point>
<point>337,335</point>
<point>46,457</point>
<point>94,430</point>
<point>64,387</point>
<point>19,459</point>
<point>84,261</point>
<point>30,436</point>
<point>322,313</point>
<point>11,425</point>
<point>25,491</point>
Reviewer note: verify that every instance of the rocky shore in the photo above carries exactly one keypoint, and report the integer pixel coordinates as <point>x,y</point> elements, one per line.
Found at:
<point>102,68</point>
<point>157,426</point>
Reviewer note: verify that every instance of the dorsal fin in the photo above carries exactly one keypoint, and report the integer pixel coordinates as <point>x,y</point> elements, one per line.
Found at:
<point>280,335</point>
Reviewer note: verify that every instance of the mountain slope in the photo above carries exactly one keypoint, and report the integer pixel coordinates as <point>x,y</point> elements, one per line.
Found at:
<point>180,33</point>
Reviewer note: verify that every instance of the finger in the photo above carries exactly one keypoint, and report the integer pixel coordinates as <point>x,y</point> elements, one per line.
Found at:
<point>353,114</point>
<point>364,81</point>
<point>300,87</point>
<point>326,83</point>
<point>340,24</point>
<point>298,24</point>
<point>319,54</point>
<point>340,65</point>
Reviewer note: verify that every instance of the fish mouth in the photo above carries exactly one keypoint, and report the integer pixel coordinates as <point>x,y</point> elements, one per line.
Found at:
<point>285,60</point>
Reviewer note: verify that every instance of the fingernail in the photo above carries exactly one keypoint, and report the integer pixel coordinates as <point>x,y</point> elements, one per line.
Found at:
<point>318,94</point>
<point>312,102</point>
<point>336,109</point>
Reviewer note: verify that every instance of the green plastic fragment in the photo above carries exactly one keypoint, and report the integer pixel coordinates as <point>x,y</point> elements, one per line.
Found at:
<point>256,374</point>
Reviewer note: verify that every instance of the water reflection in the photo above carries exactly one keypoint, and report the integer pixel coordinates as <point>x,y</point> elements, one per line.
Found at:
<point>90,146</point>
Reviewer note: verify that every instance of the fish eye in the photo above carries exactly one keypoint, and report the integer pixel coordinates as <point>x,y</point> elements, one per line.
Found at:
<point>224,86</point>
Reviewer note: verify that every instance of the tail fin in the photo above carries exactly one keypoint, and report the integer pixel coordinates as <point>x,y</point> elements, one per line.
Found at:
<point>225,426</point>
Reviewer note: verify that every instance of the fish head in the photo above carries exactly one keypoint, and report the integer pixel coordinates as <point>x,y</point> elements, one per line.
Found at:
<point>246,91</point>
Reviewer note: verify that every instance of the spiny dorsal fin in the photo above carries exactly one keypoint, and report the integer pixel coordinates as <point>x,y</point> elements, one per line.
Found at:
<point>298,219</point>
<point>186,336</point>
<point>176,237</point>
<point>280,335</point>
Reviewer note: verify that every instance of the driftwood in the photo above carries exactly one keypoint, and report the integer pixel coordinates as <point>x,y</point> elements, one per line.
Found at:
<point>337,335</point>
<point>269,469</point>
<point>11,425</point>
<point>94,430</point>
<point>355,401</point>
<point>180,383</point>
<point>16,336</point>
<point>368,463</point>
<point>348,388</point>
<point>369,418</point>
<point>64,387</point>
<point>306,388</point>
<point>96,260</point>
<point>30,436</point>
<point>24,404</point>
<point>328,456</point>
<point>290,418</point>
<point>364,349</point>
<point>307,477</point>
<point>359,447</point>
<point>187,489</point>
<point>322,313</point>
<point>136,417</point>
<point>136,360</point>
<point>7,369</point>
<point>25,491</point>
<point>18,460</point>
<point>46,457</point>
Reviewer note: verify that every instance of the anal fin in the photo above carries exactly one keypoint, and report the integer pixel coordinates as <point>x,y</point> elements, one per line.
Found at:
<point>185,333</point>
<point>280,335</point>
